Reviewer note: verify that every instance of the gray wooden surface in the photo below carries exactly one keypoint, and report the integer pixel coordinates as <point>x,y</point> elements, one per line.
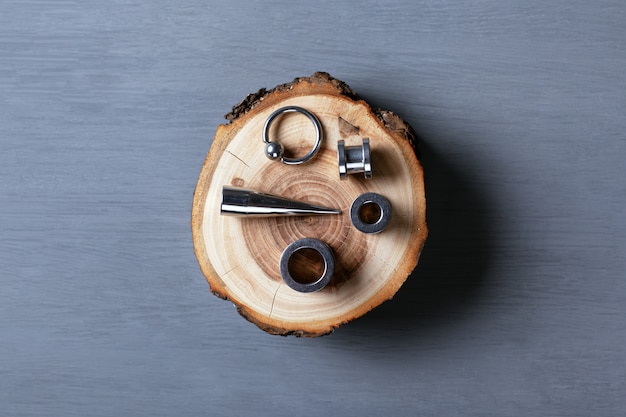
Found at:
<point>107,110</point>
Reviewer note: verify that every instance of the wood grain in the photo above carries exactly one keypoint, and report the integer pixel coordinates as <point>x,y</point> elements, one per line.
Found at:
<point>240,258</point>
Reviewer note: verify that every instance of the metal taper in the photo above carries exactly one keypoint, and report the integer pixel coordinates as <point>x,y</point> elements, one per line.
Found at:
<point>244,202</point>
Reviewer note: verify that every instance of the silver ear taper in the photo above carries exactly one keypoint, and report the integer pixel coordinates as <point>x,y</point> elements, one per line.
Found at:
<point>244,202</point>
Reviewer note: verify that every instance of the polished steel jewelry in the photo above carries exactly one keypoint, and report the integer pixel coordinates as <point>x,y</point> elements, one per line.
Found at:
<point>377,205</point>
<point>295,282</point>
<point>244,202</point>
<point>354,159</point>
<point>274,150</point>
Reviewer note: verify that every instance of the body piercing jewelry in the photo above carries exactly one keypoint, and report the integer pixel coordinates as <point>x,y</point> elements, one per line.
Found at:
<point>244,202</point>
<point>274,150</point>
<point>370,213</point>
<point>298,283</point>
<point>354,159</point>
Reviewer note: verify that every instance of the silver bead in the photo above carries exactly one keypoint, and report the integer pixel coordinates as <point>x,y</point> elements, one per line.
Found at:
<point>273,150</point>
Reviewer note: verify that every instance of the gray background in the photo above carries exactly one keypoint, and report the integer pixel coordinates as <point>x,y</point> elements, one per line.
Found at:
<point>107,110</point>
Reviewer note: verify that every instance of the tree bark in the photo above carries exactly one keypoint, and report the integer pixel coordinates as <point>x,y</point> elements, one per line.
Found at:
<point>240,256</point>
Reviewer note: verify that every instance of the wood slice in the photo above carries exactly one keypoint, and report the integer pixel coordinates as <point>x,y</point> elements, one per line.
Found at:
<point>240,256</point>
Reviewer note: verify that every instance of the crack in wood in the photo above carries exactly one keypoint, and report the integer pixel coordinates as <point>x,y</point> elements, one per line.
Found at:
<point>240,160</point>
<point>274,300</point>
<point>346,128</point>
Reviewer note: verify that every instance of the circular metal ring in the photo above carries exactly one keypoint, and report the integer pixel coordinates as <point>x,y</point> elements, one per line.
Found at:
<point>274,150</point>
<point>308,243</point>
<point>383,220</point>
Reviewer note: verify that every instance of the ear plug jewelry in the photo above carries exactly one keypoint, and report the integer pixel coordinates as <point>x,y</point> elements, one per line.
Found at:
<point>354,159</point>
<point>370,213</point>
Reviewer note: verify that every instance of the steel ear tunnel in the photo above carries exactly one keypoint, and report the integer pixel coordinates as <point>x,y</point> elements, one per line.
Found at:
<point>354,159</point>
<point>302,284</point>
<point>370,213</point>
<point>274,150</point>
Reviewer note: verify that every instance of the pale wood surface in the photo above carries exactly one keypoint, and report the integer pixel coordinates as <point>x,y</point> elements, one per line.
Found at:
<point>516,308</point>
<point>240,257</point>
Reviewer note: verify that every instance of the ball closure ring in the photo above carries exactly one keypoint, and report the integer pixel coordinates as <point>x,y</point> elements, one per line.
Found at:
<point>327,256</point>
<point>274,150</point>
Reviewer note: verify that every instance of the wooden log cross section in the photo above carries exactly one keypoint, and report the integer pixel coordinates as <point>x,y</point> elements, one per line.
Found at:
<point>240,256</point>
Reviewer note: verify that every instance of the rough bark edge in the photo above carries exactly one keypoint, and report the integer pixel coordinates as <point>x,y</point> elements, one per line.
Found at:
<point>254,99</point>
<point>391,120</point>
<point>388,119</point>
<point>396,124</point>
